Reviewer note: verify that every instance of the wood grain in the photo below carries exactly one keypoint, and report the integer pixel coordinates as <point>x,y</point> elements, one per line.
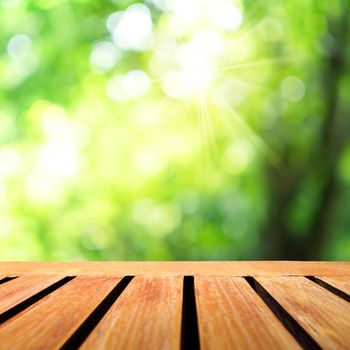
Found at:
<point>147,315</point>
<point>232,316</point>
<point>152,268</point>
<point>322,314</point>
<point>19,289</point>
<point>340,282</point>
<point>48,323</point>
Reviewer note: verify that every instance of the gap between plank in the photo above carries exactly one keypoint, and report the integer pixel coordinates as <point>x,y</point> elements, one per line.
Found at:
<point>293,327</point>
<point>189,326</point>
<point>33,299</point>
<point>329,287</point>
<point>79,336</point>
<point>6,279</point>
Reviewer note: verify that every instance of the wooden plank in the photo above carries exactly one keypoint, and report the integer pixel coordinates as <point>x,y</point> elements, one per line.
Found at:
<point>322,314</point>
<point>19,289</point>
<point>340,282</point>
<point>147,315</point>
<point>208,268</point>
<point>49,323</point>
<point>232,316</point>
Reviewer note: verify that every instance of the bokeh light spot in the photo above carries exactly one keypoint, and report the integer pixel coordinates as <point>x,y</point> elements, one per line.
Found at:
<point>104,56</point>
<point>292,88</point>
<point>136,83</point>
<point>134,29</point>
<point>19,46</point>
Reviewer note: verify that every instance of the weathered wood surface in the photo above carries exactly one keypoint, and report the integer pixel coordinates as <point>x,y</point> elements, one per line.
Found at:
<point>340,282</point>
<point>48,323</point>
<point>216,268</point>
<point>180,305</point>
<point>232,316</point>
<point>19,289</point>
<point>146,316</point>
<point>325,316</point>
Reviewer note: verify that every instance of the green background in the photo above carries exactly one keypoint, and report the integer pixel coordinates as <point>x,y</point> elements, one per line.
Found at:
<point>254,165</point>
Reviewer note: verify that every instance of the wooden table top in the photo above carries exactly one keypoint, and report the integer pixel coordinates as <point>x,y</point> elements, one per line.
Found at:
<point>173,305</point>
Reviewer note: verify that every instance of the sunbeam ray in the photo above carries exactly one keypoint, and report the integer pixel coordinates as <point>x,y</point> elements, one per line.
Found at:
<point>213,147</point>
<point>282,59</point>
<point>251,135</point>
<point>242,83</point>
<point>175,107</point>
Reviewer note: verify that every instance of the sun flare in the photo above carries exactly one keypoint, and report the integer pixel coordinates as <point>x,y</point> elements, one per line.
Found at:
<point>200,54</point>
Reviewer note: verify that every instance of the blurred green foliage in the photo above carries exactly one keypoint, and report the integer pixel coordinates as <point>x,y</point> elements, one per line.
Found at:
<point>174,130</point>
